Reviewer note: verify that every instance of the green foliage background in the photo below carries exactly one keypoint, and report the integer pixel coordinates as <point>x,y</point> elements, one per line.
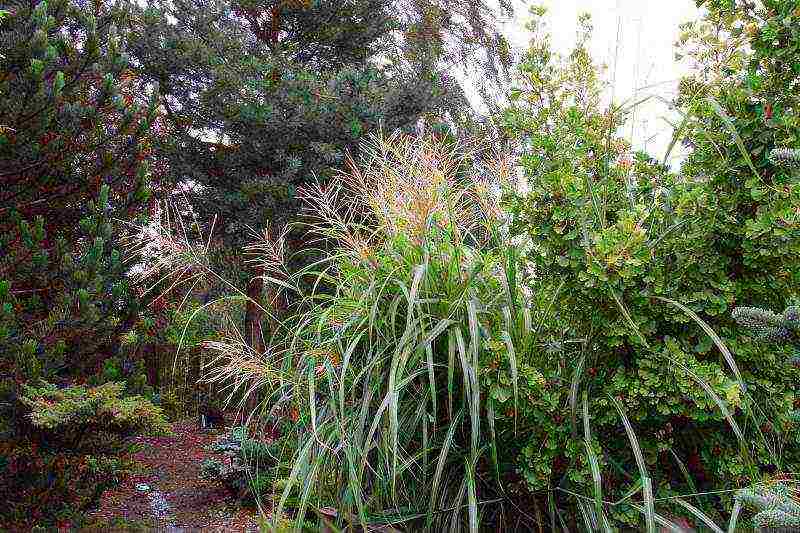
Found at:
<point>455,355</point>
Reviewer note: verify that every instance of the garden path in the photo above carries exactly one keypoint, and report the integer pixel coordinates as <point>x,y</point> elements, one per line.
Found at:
<point>166,493</point>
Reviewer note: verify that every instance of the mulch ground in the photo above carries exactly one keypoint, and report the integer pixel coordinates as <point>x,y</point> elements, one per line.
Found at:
<point>171,466</point>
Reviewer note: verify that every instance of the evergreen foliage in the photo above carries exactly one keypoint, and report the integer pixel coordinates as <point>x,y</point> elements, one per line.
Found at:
<point>249,122</point>
<point>68,416</point>
<point>769,326</point>
<point>73,141</point>
<point>264,96</point>
<point>775,505</point>
<point>70,451</point>
<point>787,158</point>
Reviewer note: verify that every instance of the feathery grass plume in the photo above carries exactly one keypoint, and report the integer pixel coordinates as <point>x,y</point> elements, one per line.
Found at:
<point>238,370</point>
<point>384,357</point>
<point>775,504</point>
<point>172,254</point>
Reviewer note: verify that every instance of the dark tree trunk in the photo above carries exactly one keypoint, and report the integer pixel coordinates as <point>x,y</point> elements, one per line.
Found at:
<point>254,315</point>
<point>253,331</point>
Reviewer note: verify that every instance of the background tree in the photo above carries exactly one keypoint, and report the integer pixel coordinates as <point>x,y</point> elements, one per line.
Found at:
<point>264,95</point>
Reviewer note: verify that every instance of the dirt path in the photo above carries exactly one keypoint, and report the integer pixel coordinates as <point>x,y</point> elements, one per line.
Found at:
<point>167,493</point>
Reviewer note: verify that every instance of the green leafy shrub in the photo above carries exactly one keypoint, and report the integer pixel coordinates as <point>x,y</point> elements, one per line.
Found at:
<point>641,266</point>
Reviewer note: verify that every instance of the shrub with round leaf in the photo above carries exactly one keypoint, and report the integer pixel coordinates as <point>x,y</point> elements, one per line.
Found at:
<point>642,266</point>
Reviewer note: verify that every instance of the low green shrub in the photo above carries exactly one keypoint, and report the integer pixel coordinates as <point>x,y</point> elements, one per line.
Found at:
<point>69,449</point>
<point>66,417</point>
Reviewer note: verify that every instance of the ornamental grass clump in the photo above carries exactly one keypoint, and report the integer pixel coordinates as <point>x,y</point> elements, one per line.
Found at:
<point>383,369</point>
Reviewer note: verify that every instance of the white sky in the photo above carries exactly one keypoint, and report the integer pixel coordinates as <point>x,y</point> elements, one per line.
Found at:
<point>640,34</point>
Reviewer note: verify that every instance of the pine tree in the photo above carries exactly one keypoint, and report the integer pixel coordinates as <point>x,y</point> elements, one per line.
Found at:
<point>73,144</point>
<point>783,329</point>
<point>775,505</point>
<point>263,96</point>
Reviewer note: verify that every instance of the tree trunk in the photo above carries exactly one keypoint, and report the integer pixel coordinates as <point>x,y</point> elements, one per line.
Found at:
<point>254,314</point>
<point>253,332</point>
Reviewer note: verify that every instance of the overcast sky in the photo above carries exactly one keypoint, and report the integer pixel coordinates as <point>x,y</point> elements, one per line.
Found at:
<point>640,35</point>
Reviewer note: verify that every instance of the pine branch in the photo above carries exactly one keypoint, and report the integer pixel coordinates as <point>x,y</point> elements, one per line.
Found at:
<point>774,504</point>
<point>786,158</point>
<point>766,325</point>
